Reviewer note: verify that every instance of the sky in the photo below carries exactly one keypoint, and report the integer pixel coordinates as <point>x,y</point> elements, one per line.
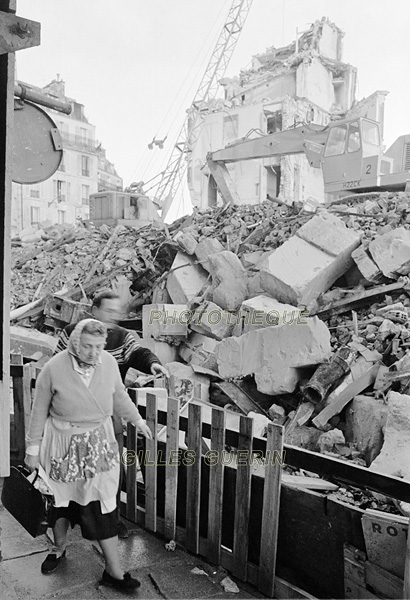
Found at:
<point>136,64</point>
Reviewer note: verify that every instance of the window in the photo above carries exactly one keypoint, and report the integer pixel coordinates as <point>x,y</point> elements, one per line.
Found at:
<point>61,191</point>
<point>370,138</point>
<point>61,216</point>
<point>274,122</point>
<point>353,139</point>
<point>61,166</point>
<point>34,215</point>
<point>336,141</point>
<point>85,166</point>
<point>85,194</point>
<point>34,193</point>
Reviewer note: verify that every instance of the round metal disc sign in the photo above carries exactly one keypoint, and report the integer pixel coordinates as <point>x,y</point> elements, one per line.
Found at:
<point>37,144</point>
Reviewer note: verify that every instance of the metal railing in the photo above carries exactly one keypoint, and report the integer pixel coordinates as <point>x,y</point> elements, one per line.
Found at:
<point>76,141</point>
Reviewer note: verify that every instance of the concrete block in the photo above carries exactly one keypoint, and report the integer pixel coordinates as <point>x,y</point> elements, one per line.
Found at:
<point>165,352</point>
<point>185,282</point>
<point>274,354</point>
<point>391,252</point>
<point>297,272</point>
<point>206,247</point>
<point>394,455</point>
<point>303,437</point>
<point>27,342</point>
<point>198,349</point>
<point>182,382</point>
<point>254,286</point>
<point>212,320</point>
<point>253,259</point>
<point>229,280</point>
<point>365,419</point>
<point>265,311</point>
<point>330,234</point>
<point>186,241</point>
<point>366,265</point>
<point>165,321</point>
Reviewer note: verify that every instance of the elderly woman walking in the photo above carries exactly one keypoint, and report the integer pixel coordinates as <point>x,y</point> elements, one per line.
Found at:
<point>71,437</point>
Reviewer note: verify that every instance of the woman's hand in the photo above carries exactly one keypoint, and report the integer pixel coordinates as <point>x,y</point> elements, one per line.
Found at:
<point>145,430</point>
<point>31,461</point>
<point>157,369</point>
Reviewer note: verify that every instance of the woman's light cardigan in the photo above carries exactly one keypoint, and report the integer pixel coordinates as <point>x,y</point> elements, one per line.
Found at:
<point>62,394</point>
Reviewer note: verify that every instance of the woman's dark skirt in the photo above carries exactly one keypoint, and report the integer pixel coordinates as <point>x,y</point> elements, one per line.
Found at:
<point>94,525</point>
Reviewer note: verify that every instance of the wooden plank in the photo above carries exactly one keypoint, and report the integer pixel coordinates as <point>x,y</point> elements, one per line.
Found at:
<point>382,582</point>
<point>194,445</point>
<point>406,583</point>
<point>18,403</point>
<point>385,537</point>
<point>328,467</point>
<point>242,499</point>
<point>151,455</point>
<point>240,398</point>
<point>356,592</point>
<point>361,299</point>
<point>28,373</point>
<point>171,469</point>
<point>129,460</point>
<point>346,395</point>
<point>270,511</point>
<point>354,560</point>
<point>216,474</point>
<point>285,591</point>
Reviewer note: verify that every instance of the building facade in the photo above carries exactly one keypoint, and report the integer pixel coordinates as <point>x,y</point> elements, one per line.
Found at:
<point>305,82</point>
<point>84,169</point>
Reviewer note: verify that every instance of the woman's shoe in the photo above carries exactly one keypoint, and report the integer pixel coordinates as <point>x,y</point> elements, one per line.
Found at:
<point>127,583</point>
<point>51,563</point>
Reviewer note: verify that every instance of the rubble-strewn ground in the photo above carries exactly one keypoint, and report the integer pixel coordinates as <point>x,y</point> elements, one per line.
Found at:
<point>138,262</point>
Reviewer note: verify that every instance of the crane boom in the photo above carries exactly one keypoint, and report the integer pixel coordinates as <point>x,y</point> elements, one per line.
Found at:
<point>175,170</point>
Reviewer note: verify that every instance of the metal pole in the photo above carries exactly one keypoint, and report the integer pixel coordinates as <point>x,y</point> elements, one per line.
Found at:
<point>7,62</point>
<point>38,98</point>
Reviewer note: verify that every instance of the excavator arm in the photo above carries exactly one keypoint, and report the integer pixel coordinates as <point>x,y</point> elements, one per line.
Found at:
<point>290,141</point>
<point>308,139</point>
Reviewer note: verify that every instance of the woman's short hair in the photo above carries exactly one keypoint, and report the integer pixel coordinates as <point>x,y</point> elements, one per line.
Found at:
<point>95,328</point>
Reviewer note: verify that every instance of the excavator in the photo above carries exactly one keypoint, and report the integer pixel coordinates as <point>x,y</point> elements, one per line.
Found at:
<point>348,151</point>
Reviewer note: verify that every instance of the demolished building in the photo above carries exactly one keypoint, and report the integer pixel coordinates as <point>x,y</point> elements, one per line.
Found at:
<point>304,82</point>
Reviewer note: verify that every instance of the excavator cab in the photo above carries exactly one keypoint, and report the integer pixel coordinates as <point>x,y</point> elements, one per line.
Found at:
<point>352,156</point>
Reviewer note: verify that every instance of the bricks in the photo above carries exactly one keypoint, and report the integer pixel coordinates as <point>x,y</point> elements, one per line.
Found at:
<point>298,271</point>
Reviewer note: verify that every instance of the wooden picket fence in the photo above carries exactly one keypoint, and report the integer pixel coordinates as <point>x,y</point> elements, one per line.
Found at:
<point>22,376</point>
<point>185,497</point>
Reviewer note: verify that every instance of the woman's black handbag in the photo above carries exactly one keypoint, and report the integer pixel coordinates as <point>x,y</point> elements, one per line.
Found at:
<point>27,504</point>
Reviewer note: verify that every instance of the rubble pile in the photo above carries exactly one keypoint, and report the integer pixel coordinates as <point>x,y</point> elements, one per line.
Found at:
<point>292,316</point>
